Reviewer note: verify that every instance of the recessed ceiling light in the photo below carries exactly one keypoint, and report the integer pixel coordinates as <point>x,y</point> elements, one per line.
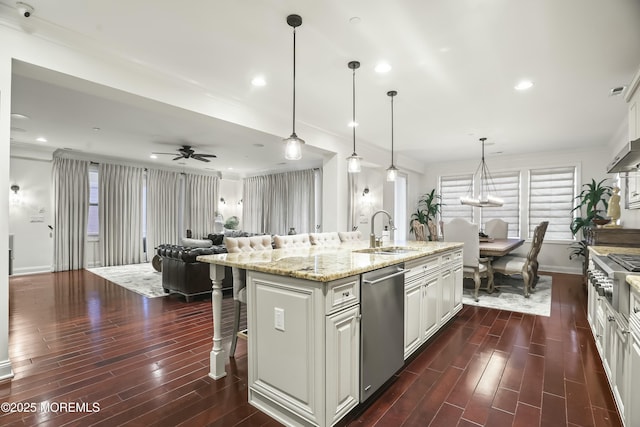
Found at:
<point>153,156</point>
<point>41,139</point>
<point>19,116</point>
<point>354,20</point>
<point>383,67</point>
<point>258,81</point>
<point>230,168</point>
<point>524,85</point>
<point>353,124</point>
<point>96,129</point>
<point>258,145</point>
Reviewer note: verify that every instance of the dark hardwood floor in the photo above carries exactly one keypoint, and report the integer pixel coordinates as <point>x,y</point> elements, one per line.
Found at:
<point>75,337</point>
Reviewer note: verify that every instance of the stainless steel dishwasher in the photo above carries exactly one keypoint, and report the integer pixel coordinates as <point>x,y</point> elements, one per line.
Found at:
<point>381,327</point>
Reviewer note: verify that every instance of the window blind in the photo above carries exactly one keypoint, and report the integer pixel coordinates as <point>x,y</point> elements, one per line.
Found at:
<point>551,198</point>
<point>507,187</point>
<point>451,189</point>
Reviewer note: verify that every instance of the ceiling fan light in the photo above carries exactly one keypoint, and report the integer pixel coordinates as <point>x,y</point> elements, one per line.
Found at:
<point>293,147</point>
<point>354,163</point>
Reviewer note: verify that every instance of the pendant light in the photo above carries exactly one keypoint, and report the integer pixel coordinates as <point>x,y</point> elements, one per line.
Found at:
<point>293,144</point>
<point>484,199</point>
<point>353,161</point>
<point>392,171</point>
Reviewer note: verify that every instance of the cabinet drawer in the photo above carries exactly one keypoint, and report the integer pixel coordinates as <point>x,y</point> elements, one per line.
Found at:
<point>342,294</point>
<point>423,265</point>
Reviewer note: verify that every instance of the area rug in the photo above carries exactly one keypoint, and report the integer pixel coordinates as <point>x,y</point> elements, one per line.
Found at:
<point>142,278</point>
<point>509,296</point>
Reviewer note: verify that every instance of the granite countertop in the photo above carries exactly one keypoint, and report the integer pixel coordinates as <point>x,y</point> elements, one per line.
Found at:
<point>634,282</point>
<point>324,264</point>
<point>606,250</point>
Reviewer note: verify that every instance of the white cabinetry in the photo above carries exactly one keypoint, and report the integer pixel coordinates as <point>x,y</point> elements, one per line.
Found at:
<point>307,335</point>
<point>433,294</point>
<point>611,332</point>
<point>633,99</point>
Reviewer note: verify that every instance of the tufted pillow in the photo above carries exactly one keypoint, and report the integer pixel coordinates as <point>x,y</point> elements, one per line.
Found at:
<point>325,239</point>
<point>196,243</point>
<point>248,244</point>
<point>293,241</point>
<point>348,236</point>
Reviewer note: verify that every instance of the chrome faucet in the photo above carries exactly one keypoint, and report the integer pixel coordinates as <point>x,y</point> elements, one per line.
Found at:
<point>372,236</point>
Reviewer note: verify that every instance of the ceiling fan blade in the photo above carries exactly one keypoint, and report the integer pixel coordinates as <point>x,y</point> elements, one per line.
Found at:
<point>178,158</point>
<point>206,155</point>
<point>171,154</point>
<point>198,157</point>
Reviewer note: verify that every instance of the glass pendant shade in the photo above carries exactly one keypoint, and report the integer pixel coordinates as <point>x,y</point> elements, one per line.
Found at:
<point>392,171</point>
<point>293,147</point>
<point>353,161</point>
<point>293,144</point>
<point>484,198</point>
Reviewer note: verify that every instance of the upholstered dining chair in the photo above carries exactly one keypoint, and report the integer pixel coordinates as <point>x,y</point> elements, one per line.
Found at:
<point>238,245</point>
<point>474,267</point>
<point>349,236</point>
<point>291,241</point>
<point>496,228</point>
<point>328,240</point>
<point>526,266</point>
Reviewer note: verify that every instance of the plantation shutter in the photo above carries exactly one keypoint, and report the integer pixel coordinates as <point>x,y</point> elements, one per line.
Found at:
<point>551,198</point>
<point>451,189</point>
<point>507,187</point>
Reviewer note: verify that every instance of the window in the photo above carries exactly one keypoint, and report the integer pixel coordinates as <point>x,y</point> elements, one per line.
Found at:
<point>507,187</point>
<point>551,198</point>
<point>93,224</point>
<point>400,206</point>
<point>451,189</point>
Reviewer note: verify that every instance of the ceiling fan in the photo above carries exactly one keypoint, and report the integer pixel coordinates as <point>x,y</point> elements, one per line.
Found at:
<point>186,152</point>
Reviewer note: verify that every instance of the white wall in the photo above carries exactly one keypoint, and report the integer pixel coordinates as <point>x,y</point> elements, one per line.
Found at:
<point>231,191</point>
<point>30,217</point>
<point>554,255</point>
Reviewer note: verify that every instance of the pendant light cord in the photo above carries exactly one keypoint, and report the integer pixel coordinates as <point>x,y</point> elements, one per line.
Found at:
<point>294,80</point>
<point>392,131</point>
<point>354,111</point>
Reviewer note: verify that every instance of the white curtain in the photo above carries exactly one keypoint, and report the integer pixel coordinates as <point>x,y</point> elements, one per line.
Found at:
<point>120,213</point>
<point>71,210</point>
<point>276,203</point>
<point>201,203</point>
<point>163,189</point>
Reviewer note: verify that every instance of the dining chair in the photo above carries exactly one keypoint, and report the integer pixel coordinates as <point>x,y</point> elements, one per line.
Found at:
<point>328,240</point>
<point>526,266</point>
<point>419,229</point>
<point>349,236</point>
<point>239,245</point>
<point>291,241</point>
<point>496,228</point>
<point>474,267</point>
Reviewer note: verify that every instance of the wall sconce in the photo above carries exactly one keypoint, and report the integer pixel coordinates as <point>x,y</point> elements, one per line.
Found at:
<point>365,192</point>
<point>223,201</point>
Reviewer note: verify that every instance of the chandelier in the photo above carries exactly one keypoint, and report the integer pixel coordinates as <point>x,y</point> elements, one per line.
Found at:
<point>484,198</point>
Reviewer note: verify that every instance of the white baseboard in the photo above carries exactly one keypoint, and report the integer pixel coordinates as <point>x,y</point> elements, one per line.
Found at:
<point>6,373</point>
<point>561,269</point>
<point>32,270</point>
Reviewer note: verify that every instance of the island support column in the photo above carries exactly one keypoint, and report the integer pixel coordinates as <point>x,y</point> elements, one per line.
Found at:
<point>218,356</point>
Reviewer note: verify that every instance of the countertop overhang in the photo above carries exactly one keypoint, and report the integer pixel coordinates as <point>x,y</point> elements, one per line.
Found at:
<point>324,264</point>
<point>606,250</point>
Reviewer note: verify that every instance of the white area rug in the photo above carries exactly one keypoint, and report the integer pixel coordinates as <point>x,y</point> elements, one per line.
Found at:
<point>142,279</point>
<point>509,296</point>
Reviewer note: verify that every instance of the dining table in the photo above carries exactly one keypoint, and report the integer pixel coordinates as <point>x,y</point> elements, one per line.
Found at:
<point>498,247</point>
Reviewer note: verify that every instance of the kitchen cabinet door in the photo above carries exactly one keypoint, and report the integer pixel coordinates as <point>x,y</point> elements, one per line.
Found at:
<point>412,308</point>
<point>633,413</point>
<point>447,290</point>
<point>431,306</point>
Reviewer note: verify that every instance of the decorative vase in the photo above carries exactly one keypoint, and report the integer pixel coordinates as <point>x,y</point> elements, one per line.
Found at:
<point>292,231</point>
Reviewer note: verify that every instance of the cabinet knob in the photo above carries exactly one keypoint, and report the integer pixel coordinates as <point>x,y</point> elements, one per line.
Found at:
<point>345,294</point>
<point>636,309</point>
<point>611,318</point>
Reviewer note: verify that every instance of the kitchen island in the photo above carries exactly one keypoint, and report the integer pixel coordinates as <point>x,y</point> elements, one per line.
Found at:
<point>303,317</point>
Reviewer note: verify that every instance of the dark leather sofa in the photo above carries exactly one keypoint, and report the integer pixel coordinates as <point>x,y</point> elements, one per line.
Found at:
<point>184,275</point>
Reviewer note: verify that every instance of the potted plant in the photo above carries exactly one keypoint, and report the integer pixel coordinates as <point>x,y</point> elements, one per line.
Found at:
<point>426,212</point>
<point>590,200</point>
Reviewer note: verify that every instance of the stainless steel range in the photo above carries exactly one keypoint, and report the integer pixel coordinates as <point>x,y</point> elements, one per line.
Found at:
<point>608,275</point>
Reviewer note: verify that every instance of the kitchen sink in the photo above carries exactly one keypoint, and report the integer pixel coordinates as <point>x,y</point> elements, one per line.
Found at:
<point>393,250</point>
